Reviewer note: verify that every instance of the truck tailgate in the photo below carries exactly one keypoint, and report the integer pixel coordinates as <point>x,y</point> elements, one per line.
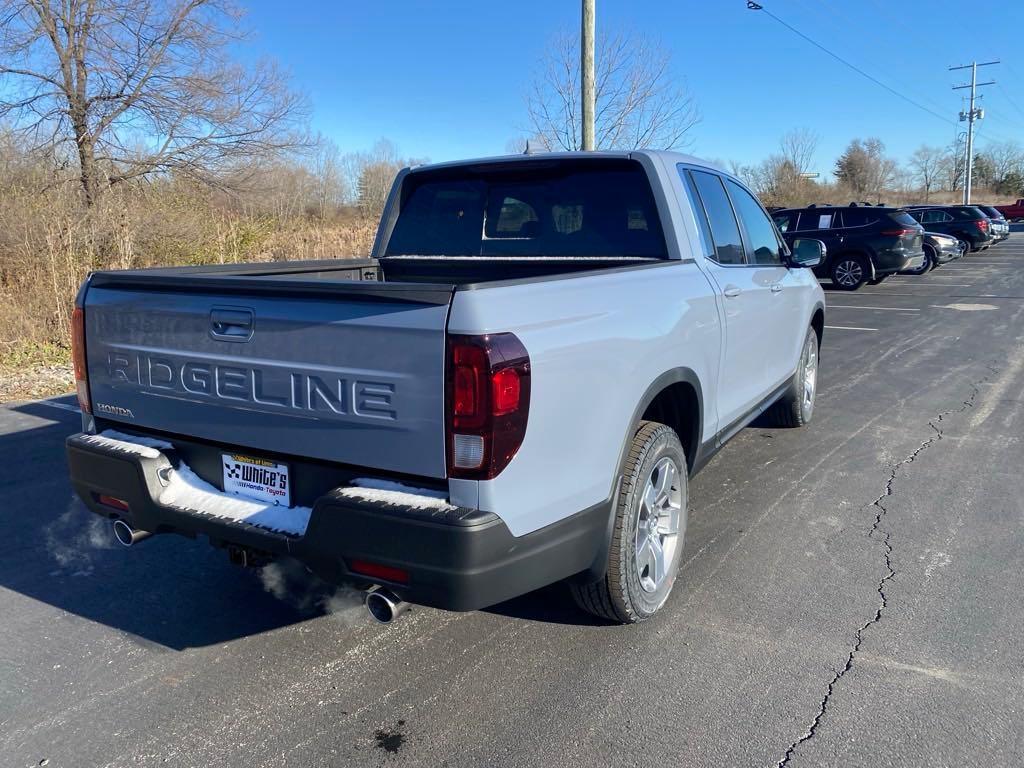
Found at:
<point>350,375</point>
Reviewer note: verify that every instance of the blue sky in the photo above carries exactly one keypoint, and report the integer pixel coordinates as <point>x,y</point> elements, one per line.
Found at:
<point>446,80</point>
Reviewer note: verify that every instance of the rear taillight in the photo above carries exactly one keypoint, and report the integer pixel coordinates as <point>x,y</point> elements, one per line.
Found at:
<point>488,401</point>
<point>899,232</point>
<point>982,224</point>
<point>78,358</point>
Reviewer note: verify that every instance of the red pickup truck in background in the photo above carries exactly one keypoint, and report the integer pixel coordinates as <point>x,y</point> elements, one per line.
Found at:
<point>1012,212</point>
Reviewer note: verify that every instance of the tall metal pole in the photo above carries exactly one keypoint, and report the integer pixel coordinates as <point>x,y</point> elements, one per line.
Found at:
<point>587,73</point>
<point>969,169</point>
<point>972,115</point>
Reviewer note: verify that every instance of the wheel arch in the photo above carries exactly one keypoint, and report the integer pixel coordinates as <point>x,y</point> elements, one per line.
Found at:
<point>818,322</point>
<point>861,252</point>
<point>675,395</point>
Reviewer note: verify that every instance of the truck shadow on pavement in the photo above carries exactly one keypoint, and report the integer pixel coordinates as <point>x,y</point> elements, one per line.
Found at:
<point>167,590</point>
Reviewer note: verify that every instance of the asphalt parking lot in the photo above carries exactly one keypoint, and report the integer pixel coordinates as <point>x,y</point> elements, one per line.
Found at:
<point>850,595</point>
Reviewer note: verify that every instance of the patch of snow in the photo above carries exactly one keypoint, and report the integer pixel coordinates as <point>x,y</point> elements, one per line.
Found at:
<point>397,494</point>
<point>186,489</point>
<point>152,442</point>
<point>137,446</point>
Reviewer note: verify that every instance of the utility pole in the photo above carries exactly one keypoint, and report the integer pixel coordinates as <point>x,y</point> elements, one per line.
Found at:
<point>970,116</point>
<point>587,73</point>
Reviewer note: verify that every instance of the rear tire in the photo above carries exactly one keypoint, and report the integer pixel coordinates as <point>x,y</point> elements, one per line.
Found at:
<point>648,531</point>
<point>850,271</point>
<point>796,407</point>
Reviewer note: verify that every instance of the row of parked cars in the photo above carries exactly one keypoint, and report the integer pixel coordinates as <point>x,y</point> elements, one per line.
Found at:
<point>867,243</point>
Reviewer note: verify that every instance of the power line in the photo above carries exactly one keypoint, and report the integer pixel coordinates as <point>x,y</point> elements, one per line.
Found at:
<point>1006,96</point>
<point>753,6</point>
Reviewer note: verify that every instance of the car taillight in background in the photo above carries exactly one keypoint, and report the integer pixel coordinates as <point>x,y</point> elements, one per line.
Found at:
<point>982,225</point>
<point>488,399</point>
<point>900,232</point>
<point>78,358</point>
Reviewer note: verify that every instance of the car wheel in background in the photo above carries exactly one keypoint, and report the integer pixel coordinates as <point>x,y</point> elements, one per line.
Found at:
<point>796,407</point>
<point>850,271</point>
<point>929,262</point>
<point>648,530</point>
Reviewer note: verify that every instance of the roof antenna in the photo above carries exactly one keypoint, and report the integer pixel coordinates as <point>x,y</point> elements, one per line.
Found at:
<point>529,149</point>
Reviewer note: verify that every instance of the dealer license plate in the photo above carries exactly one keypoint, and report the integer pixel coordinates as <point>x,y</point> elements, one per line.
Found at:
<point>259,479</point>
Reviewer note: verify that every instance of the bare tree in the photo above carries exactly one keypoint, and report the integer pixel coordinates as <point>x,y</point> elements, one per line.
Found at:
<point>926,165</point>
<point>639,102</point>
<point>954,165</point>
<point>141,87</point>
<point>1002,158</point>
<point>865,168</point>
<point>328,175</point>
<point>369,174</point>
<point>798,148</point>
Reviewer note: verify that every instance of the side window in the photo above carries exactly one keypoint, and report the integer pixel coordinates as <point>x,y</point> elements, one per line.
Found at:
<point>931,217</point>
<point>698,211</point>
<point>812,219</point>
<point>784,221</point>
<point>515,219</point>
<point>725,232</point>
<point>764,243</point>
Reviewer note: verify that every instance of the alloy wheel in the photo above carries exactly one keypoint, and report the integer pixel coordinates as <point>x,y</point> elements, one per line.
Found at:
<point>810,374</point>
<point>849,273</point>
<point>657,528</point>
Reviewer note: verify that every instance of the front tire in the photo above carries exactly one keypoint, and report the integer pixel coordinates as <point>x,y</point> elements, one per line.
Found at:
<point>929,262</point>
<point>850,272</point>
<point>796,407</point>
<point>649,527</point>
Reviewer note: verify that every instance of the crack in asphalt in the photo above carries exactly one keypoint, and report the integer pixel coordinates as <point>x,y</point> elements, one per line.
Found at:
<point>890,572</point>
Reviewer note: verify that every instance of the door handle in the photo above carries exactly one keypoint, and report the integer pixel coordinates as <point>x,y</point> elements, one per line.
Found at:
<point>228,324</point>
<point>776,288</point>
<point>732,292</point>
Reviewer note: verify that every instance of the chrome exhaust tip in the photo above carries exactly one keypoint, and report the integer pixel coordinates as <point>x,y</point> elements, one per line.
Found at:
<point>384,605</point>
<point>126,535</point>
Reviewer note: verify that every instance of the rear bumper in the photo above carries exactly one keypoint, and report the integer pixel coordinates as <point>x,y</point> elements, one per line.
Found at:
<point>891,262</point>
<point>459,560</point>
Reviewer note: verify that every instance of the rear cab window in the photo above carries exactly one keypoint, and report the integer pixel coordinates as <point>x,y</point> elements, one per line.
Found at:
<point>565,208</point>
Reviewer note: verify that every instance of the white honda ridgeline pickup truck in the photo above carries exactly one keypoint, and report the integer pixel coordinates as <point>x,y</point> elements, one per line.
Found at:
<point>512,391</point>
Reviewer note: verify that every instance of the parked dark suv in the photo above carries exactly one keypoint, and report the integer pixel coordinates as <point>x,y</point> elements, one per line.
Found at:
<point>1000,226</point>
<point>865,243</point>
<point>964,222</point>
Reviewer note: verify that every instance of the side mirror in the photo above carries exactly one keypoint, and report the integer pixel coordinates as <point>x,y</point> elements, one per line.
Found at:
<point>807,252</point>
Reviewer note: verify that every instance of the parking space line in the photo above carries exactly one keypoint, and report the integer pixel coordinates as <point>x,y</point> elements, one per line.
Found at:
<point>948,285</point>
<point>884,309</point>
<point>848,328</point>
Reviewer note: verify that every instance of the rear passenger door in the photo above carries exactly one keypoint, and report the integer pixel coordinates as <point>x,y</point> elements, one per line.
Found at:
<point>744,293</point>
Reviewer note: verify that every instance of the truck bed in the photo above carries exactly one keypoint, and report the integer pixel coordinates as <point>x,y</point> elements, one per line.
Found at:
<point>419,279</point>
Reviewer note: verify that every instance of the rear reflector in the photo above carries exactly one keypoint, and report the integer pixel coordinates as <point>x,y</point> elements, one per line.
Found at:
<point>488,402</point>
<point>378,571</point>
<point>110,501</point>
<point>78,358</point>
